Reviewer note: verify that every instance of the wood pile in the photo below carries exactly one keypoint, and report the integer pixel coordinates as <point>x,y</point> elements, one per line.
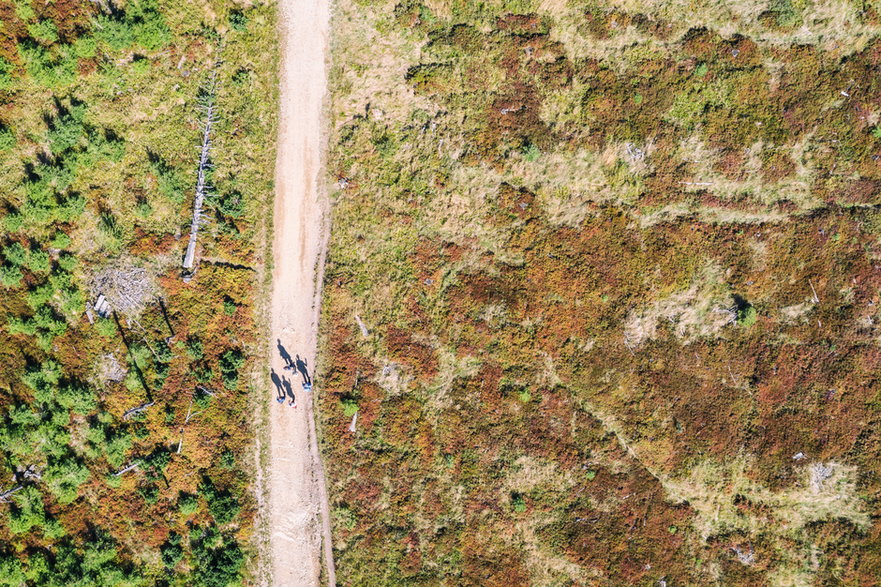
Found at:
<point>122,288</point>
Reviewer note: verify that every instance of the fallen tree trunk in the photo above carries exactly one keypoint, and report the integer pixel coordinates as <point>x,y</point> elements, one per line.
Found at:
<point>208,108</point>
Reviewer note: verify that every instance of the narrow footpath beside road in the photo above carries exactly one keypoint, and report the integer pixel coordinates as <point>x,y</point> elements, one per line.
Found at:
<point>299,518</point>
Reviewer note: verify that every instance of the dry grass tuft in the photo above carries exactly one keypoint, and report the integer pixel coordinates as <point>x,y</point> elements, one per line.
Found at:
<point>701,311</point>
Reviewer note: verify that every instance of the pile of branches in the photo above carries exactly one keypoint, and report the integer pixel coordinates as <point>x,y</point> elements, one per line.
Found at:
<point>127,288</point>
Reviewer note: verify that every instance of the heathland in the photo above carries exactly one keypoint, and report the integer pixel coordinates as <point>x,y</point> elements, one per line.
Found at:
<point>602,293</point>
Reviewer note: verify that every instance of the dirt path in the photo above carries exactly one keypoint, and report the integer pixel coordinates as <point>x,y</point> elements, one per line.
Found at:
<point>299,518</point>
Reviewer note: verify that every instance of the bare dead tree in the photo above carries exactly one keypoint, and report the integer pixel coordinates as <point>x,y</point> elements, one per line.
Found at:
<point>364,332</point>
<point>29,473</point>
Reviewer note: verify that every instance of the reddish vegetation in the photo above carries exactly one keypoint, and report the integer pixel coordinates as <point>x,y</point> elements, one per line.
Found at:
<point>534,315</point>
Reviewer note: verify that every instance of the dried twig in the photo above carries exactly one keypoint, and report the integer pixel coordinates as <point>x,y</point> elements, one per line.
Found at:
<point>136,410</point>
<point>364,332</point>
<point>4,497</point>
<point>126,469</point>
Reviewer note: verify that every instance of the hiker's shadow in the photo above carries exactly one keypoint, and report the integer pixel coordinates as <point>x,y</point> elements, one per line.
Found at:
<point>289,390</point>
<point>303,369</point>
<point>285,355</point>
<point>279,390</point>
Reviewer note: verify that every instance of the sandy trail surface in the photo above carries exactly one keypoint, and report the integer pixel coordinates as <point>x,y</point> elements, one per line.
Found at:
<point>299,519</point>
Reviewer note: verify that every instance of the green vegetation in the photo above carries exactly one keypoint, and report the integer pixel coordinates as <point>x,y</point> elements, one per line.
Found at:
<point>126,440</point>
<point>618,266</point>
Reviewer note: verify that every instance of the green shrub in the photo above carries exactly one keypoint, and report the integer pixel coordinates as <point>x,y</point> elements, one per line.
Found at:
<point>64,478</point>
<point>222,504</point>
<point>216,559</point>
<point>38,568</point>
<point>231,204</point>
<point>60,241</point>
<point>746,316</point>
<point>143,209</point>
<point>15,253</point>
<point>241,77</point>
<point>55,68</point>
<point>140,66</point>
<point>117,447</point>
<point>230,362</point>
<point>85,47</point>
<point>66,130</point>
<point>38,261</point>
<point>6,79</point>
<point>53,530</point>
<point>518,503</point>
<point>531,152</point>
<point>227,460</point>
<point>350,406</point>
<point>187,504</point>
<point>194,348</point>
<point>7,138</point>
<point>149,492</point>
<point>169,181</point>
<point>203,373</point>
<point>44,30</point>
<point>10,276</point>
<point>68,262</point>
<point>27,510</point>
<point>13,222</point>
<point>11,572</point>
<point>141,24</point>
<point>24,11</point>
<point>106,327</point>
<point>77,397</point>
<point>238,21</point>
<point>172,551</point>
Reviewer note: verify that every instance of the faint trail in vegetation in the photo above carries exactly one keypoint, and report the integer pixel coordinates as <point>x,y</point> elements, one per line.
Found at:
<point>299,513</point>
